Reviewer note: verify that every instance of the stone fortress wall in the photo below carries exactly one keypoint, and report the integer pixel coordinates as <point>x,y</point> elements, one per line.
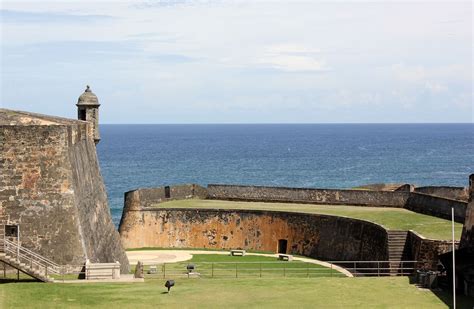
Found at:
<point>319,236</point>
<point>308,195</point>
<point>452,193</point>
<point>417,202</point>
<point>51,187</point>
<point>467,239</point>
<point>145,225</point>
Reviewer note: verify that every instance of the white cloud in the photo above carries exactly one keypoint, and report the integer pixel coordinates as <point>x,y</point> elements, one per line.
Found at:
<point>435,88</point>
<point>239,49</point>
<point>292,58</point>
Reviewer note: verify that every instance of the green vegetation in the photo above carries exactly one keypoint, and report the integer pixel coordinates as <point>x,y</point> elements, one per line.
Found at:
<point>387,292</point>
<point>249,266</point>
<point>391,218</point>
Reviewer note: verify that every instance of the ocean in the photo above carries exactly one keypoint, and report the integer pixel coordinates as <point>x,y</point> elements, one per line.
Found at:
<point>295,155</point>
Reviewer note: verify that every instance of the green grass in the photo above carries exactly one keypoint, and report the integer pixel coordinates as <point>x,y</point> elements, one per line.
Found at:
<point>391,218</point>
<point>249,266</point>
<point>387,292</point>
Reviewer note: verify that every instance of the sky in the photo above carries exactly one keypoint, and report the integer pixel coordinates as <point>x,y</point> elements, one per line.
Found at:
<point>211,61</point>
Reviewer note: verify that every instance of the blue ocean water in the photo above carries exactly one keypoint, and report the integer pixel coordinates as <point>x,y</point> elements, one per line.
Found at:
<point>298,155</point>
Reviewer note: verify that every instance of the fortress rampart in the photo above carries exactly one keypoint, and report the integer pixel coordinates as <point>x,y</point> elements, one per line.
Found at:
<point>436,206</point>
<point>467,239</point>
<point>145,224</point>
<point>453,193</point>
<point>417,202</point>
<point>52,190</point>
<point>308,195</point>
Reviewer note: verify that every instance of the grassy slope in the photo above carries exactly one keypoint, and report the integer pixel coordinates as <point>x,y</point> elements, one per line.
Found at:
<point>388,292</point>
<point>391,218</point>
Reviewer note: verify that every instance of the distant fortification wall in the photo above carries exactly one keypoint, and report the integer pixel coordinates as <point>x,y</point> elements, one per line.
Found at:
<point>306,195</point>
<point>417,202</point>
<point>150,196</point>
<point>51,186</point>
<point>318,236</point>
<point>436,206</point>
<point>452,193</point>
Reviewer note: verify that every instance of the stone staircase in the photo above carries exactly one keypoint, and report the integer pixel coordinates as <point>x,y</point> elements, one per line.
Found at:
<point>27,261</point>
<point>397,251</point>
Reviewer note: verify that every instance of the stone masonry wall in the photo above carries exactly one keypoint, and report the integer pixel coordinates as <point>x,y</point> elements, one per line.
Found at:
<point>452,193</point>
<point>50,185</point>
<point>101,240</point>
<point>426,251</point>
<point>467,239</point>
<point>317,236</point>
<point>306,195</point>
<point>151,196</point>
<point>436,206</point>
<point>36,191</point>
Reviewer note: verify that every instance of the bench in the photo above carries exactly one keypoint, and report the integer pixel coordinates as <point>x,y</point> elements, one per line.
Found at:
<point>285,257</point>
<point>153,269</point>
<point>237,252</point>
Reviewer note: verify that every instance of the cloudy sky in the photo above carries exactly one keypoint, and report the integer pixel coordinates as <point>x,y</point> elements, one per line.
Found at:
<point>241,61</point>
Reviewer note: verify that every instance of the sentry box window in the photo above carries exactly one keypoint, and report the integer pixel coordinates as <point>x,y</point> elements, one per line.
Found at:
<point>11,230</point>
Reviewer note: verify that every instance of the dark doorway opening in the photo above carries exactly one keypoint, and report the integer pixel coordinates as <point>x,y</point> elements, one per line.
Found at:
<point>167,192</point>
<point>11,230</point>
<point>282,245</point>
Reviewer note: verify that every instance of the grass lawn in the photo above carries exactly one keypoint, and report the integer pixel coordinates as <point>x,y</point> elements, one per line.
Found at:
<point>249,266</point>
<point>387,292</point>
<point>391,218</point>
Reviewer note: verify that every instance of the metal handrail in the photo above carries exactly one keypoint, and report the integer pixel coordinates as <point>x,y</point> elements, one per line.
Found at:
<point>31,253</point>
<point>30,257</point>
<point>22,258</point>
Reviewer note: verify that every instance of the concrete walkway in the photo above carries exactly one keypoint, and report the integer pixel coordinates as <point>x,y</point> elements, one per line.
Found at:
<point>154,257</point>
<point>124,278</point>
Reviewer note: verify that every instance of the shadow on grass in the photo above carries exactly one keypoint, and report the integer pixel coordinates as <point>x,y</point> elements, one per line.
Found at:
<point>462,301</point>
<point>22,280</point>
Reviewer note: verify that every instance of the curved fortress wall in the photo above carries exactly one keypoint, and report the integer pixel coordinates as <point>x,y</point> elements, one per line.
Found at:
<point>52,188</point>
<point>318,236</point>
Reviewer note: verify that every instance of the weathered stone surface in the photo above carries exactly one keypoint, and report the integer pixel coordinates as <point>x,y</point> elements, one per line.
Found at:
<point>50,185</point>
<point>146,226</point>
<point>452,193</point>
<point>318,236</point>
<point>308,195</point>
<point>417,202</point>
<point>467,239</point>
<point>436,206</point>
<point>426,251</point>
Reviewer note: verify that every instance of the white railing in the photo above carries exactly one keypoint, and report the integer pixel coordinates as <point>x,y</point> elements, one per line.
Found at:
<point>35,261</point>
